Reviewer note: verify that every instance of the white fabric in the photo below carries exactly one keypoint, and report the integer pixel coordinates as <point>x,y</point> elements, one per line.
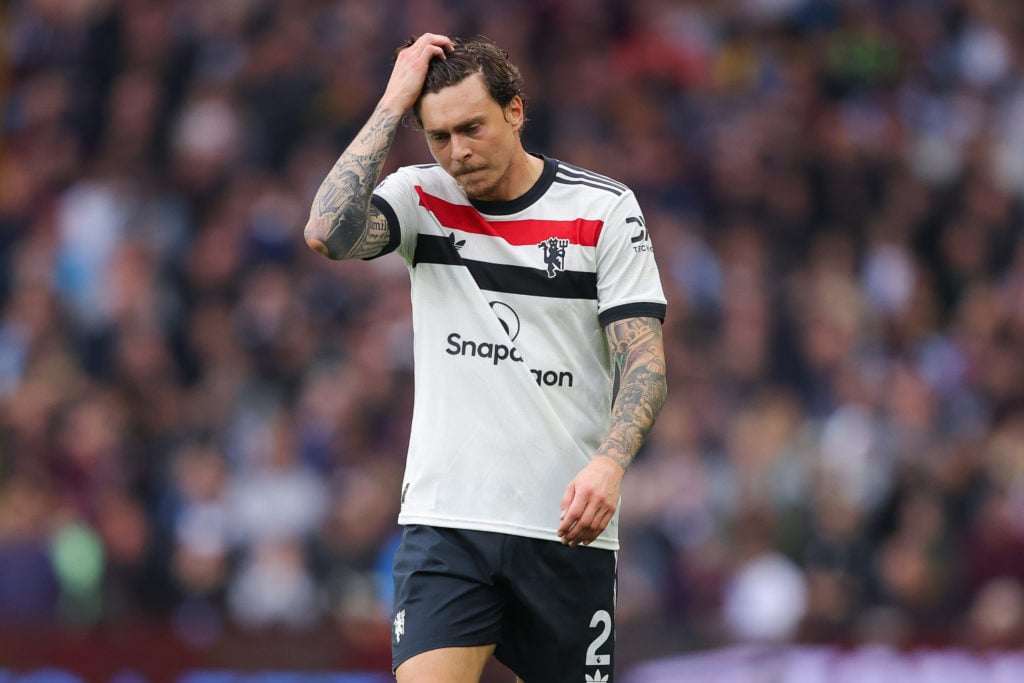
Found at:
<point>500,427</point>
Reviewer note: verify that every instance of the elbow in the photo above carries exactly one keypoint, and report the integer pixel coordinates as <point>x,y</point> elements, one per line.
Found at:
<point>317,246</point>
<point>316,243</point>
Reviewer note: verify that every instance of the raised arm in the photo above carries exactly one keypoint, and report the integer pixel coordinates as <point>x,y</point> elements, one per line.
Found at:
<point>638,357</point>
<point>342,222</point>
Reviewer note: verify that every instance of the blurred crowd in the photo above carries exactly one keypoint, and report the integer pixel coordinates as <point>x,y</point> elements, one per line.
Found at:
<point>203,423</point>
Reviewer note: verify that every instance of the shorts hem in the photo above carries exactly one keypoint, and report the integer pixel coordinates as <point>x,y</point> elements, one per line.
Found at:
<point>440,644</point>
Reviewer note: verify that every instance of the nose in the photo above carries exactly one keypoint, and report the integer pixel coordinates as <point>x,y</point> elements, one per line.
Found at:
<point>460,148</point>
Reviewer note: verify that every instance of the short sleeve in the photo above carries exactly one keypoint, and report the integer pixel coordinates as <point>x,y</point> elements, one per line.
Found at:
<point>628,282</point>
<point>395,197</point>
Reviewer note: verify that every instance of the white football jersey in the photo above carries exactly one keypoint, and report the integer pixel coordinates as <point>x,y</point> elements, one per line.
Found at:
<point>514,380</point>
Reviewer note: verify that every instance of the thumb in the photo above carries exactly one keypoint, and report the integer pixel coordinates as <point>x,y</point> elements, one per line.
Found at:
<point>570,492</point>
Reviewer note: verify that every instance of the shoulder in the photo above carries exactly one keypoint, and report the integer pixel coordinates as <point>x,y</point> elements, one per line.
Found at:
<point>570,174</point>
<point>419,172</point>
<point>426,169</point>
<point>430,177</point>
<point>594,194</point>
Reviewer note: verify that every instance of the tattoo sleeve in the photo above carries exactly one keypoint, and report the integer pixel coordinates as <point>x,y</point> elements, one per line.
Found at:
<point>342,222</point>
<point>638,360</point>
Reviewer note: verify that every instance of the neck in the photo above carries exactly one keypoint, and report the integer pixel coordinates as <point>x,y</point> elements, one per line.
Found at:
<point>524,170</point>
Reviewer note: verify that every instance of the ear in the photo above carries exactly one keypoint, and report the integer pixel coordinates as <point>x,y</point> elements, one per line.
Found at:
<point>515,113</point>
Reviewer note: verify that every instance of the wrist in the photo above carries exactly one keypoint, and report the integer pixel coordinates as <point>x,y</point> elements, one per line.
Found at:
<point>390,106</point>
<point>619,463</point>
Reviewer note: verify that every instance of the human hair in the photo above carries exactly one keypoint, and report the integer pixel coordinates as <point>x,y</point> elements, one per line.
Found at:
<point>480,55</point>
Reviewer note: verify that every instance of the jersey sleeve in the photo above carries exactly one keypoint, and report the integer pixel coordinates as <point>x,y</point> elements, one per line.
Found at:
<point>395,197</point>
<point>628,282</point>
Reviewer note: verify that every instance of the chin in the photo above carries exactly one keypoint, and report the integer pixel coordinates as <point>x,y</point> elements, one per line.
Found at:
<point>480,191</point>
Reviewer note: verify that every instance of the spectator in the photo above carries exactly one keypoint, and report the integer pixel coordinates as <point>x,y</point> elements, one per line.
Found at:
<point>837,192</point>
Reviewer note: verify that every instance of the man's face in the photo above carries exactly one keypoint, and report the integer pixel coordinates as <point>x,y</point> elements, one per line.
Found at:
<point>472,137</point>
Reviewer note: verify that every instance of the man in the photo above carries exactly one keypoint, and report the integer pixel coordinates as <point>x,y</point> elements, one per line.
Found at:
<point>537,313</point>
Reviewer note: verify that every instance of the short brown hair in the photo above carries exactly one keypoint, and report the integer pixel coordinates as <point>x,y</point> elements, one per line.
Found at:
<point>479,55</point>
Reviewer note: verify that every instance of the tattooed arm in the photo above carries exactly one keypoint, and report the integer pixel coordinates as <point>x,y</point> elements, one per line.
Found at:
<point>342,222</point>
<point>638,358</point>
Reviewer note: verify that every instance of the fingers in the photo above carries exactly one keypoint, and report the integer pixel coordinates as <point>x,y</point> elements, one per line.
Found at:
<point>584,517</point>
<point>568,519</point>
<point>589,501</point>
<point>570,492</point>
<point>586,529</point>
<point>410,69</point>
<point>442,41</point>
<point>428,46</point>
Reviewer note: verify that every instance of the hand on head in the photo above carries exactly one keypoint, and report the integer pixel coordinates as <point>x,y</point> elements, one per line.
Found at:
<point>410,70</point>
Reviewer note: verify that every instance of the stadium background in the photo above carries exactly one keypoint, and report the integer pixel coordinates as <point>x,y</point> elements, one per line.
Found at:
<point>203,425</point>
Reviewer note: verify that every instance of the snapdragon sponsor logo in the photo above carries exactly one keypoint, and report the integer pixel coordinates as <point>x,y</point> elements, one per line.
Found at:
<point>457,346</point>
<point>498,352</point>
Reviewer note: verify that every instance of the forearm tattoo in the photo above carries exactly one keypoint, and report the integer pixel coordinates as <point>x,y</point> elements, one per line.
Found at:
<point>342,218</point>
<point>638,359</point>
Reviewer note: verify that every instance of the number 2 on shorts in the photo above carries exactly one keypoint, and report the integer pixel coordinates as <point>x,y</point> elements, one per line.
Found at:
<point>603,620</point>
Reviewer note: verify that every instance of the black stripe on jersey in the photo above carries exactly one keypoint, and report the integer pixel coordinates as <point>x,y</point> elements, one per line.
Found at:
<point>497,277</point>
<point>394,229</point>
<point>563,181</point>
<point>583,174</point>
<point>641,309</point>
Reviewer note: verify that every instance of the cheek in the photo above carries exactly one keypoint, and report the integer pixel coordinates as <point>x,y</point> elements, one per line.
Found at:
<point>438,153</point>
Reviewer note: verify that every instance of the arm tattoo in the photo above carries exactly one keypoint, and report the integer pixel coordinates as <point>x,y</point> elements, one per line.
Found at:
<point>341,217</point>
<point>638,360</point>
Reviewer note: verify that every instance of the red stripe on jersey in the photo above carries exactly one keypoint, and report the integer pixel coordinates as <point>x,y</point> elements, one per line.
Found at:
<point>516,232</point>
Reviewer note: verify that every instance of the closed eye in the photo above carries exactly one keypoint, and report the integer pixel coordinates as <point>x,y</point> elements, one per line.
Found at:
<point>470,128</point>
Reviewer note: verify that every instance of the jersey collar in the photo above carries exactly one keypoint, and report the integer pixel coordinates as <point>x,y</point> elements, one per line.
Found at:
<point>510,206</point>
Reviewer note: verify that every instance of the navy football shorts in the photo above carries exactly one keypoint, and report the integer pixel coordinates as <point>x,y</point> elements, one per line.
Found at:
<point>549,608</point>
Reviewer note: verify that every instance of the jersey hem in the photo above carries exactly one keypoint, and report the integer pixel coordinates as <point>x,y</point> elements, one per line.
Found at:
<point>394,229</point>
<point>639,309</point>
<point>511,529</point>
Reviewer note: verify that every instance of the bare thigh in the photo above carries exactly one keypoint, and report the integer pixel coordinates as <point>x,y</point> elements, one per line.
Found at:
<point>445,665</point>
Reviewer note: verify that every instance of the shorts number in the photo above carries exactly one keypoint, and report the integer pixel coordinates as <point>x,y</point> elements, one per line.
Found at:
<point>604,620</point>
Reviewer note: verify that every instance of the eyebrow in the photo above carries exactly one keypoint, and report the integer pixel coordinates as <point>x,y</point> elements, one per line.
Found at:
<point>458,128</point>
